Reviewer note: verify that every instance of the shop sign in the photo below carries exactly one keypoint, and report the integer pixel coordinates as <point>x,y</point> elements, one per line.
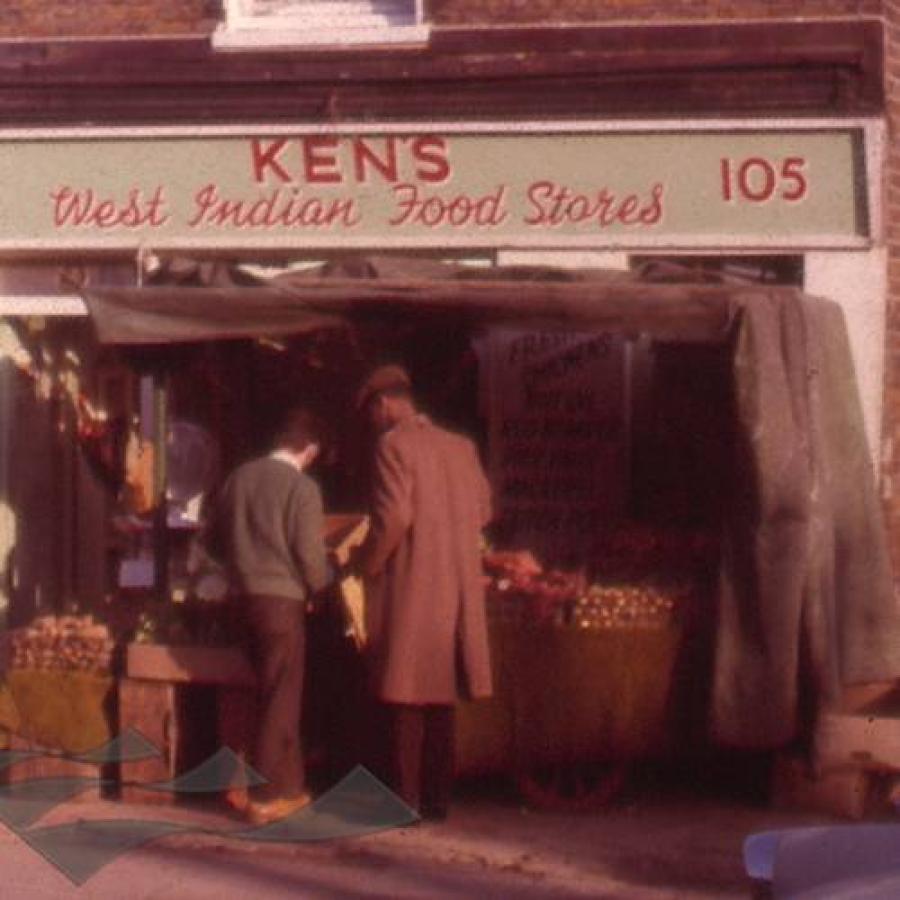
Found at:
<point>557,442</point>
<point>162,189</point>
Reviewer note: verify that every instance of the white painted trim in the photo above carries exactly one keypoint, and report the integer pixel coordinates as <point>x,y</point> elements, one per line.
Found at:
<point>301,243</point>
<point>41,305</point>
<point>875,149</point>
<point>857,282</point>
<point>565,259</point>
<point>536,126</point>
<point>319,24</point>
<point>270,38</point>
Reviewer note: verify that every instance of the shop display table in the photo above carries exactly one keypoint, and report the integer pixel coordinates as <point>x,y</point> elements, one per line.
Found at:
<point>153,699</point>
<point>572,708</point>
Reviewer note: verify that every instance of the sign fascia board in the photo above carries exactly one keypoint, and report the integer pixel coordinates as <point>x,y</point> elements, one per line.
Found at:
<point>764,184</point>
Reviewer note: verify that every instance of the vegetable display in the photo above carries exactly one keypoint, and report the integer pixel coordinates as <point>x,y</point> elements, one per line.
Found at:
<point>76,643</point>
<point>638,577</point>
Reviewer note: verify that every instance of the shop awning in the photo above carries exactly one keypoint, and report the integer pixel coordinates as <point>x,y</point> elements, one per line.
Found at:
<point>806,597</point>
<point>337,293</point>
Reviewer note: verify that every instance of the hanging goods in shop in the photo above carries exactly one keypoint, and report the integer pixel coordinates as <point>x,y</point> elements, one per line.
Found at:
<point>192,461</point>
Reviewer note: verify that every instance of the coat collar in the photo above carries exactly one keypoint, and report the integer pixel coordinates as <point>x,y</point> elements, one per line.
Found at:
<point>417,420</point>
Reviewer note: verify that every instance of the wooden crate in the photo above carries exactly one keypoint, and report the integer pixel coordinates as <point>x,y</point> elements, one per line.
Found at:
<point>843,791</point>
<point>857,751</point>
<point>151,708</point>
<point>50,765</point>
<point>867,741</point>
<point>152,700</point>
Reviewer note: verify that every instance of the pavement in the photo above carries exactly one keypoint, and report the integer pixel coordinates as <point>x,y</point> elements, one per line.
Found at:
<point>669,843</point>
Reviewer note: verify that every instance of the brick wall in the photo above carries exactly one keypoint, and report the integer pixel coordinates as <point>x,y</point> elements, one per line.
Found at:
<point>71,18</point>
<point>891,467</point>
<point>522,11</point>
<point>74,18</point>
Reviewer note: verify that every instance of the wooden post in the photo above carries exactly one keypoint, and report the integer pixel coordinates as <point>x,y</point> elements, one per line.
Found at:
<point>160,516</point>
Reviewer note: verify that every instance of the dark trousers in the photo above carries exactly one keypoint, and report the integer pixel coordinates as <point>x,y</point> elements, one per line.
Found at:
<point>420,755</point>
<point>275,638</point>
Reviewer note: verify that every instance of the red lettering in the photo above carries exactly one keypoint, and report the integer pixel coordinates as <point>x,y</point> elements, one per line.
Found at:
<point>606,209</point>
<point>762,191</point>
<point>280,208</point>
<point>758,179</point>
<point>84,209</point>
<point>320,162</point>
<point>265,156</point>
<point>539,191</point>
<point>432,211</point>
<point>726,179</point>
<point>364,158</point>
<point>105,214</point>
<point>70,207</point>
<point>578,208</point>
<point>792,170</point>
<point>329,159</point>
<point>652,214</point>
<point>552,205</point>
<point>627,210</point>
<point>431,155</point>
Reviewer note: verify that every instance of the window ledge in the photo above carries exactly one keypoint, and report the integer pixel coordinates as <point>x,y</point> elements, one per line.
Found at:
<point>267,37</point>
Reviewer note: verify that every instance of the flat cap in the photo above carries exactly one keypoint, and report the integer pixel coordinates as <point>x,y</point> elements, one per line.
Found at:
<point>384,378</point>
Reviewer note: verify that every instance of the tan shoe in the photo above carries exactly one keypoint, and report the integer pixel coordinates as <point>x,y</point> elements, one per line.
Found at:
<point>263,812</point>
<point>237,800</point>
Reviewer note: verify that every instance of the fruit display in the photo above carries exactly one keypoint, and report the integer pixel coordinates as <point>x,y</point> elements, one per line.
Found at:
<point>638,577</point>
<point>544,597</point>
<point>62,643</point>
<point>648,605</point>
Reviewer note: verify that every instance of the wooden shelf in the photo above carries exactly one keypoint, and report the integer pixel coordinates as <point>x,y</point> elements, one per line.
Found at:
<point>188,664</point>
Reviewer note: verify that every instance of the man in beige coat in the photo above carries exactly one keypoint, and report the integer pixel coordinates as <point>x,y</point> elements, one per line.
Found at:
<point>428,640</point>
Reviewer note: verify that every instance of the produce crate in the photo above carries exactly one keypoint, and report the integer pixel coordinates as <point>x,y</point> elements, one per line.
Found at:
<point>565,695</point>
<point>154,700</point>
<point>57,714</point>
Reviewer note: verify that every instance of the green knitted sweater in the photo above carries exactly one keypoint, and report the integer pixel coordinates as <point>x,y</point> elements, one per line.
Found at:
<point>270,530</point>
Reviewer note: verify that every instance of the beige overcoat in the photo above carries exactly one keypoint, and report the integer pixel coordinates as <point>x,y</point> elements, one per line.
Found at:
<point>425,612</point>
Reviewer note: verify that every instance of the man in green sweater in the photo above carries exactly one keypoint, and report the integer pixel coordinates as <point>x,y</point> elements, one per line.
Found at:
<point>269,528</point>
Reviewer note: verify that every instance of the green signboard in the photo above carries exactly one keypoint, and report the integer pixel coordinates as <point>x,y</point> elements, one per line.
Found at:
<point>164,189</point>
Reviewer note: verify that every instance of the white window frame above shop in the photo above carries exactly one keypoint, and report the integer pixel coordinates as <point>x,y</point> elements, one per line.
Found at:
<point>291,24</point>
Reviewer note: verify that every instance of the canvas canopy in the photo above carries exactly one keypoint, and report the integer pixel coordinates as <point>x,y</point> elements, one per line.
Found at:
<point>806,601</point>
<point>213,303</point>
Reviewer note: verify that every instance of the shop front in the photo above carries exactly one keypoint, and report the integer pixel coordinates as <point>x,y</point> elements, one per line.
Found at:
<point>680,437</point>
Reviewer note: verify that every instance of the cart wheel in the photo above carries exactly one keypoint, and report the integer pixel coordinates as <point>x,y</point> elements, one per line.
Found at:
<point>573,786</point>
